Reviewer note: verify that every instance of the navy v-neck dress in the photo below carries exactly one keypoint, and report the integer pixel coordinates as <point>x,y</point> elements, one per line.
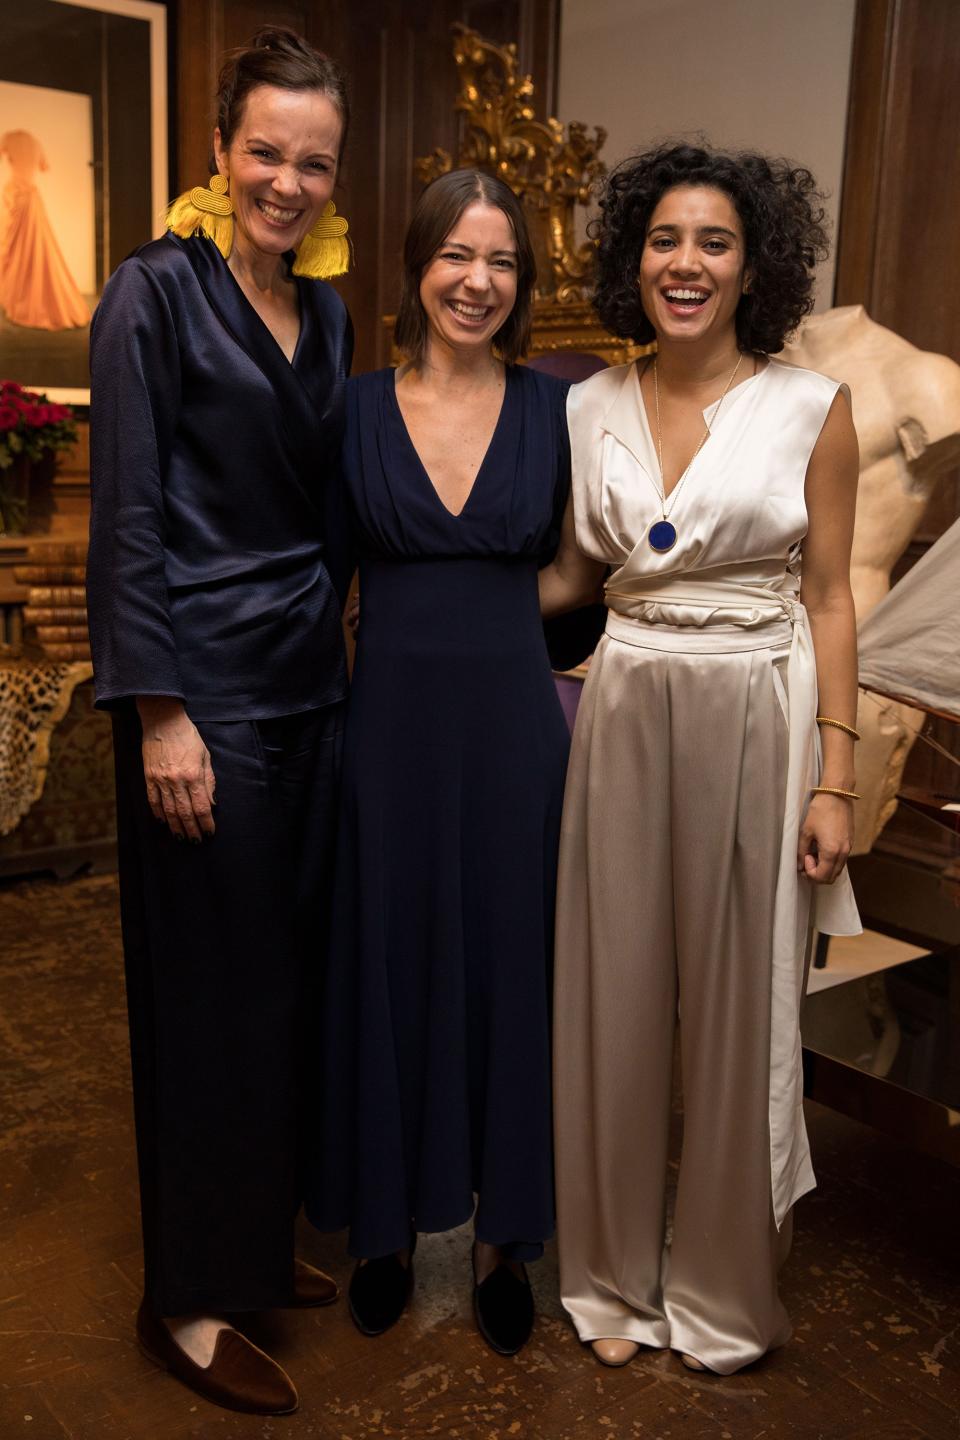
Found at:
<point>436,1043</point>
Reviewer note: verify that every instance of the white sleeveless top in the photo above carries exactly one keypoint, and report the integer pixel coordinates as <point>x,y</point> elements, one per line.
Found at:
<point>743,497</point>
<point>731,582</point>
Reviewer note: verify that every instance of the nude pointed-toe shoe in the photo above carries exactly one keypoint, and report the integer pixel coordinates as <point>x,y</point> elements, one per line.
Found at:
<point>614,1352</point>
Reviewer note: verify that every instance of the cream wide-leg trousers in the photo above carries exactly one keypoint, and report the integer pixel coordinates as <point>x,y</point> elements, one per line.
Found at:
<point>668,872</point>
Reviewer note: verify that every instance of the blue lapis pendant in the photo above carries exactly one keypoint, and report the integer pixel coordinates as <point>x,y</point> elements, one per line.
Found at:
<point>662,536</point>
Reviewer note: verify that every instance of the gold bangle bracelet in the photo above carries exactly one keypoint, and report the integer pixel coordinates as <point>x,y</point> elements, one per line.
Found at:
<point>839,725</point>
<point>832,790</point>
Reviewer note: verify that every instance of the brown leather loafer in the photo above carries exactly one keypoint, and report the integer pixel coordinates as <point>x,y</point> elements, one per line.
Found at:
<point>311,1286</point>
<point>239,1377</point>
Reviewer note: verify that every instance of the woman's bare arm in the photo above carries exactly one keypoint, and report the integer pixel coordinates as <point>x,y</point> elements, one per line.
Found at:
<point>831,496</point>
<point>571,579</point>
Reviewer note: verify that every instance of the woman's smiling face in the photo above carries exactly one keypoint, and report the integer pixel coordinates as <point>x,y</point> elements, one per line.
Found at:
<point>281,164</point>
<point>693,264</point>
<point>470,286</point>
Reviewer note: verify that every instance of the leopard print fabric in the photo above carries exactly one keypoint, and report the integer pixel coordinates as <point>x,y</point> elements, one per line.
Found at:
<point>34,697</point>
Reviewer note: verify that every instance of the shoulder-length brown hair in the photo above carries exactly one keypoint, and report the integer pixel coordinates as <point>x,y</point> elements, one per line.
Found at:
<point>435,215</point>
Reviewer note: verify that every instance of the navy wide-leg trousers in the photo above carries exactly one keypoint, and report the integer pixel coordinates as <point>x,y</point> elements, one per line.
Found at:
<point>224,945</point>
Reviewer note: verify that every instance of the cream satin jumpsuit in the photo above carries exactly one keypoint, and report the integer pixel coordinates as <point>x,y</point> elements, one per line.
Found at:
<point>694,751</point>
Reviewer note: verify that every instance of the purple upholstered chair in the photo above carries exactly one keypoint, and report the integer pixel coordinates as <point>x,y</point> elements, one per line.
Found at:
<point>572,365</point>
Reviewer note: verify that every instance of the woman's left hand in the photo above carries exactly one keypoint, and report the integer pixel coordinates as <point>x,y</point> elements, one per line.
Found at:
<point>826,837</point>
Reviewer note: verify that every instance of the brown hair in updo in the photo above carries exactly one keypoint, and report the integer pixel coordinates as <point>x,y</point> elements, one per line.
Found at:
<point>277,56</point>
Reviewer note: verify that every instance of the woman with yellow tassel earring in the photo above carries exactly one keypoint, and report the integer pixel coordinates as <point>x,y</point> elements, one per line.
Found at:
<point>219,359</point>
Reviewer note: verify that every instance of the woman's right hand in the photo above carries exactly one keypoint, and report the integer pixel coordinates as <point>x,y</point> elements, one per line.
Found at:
<point>177,768</point>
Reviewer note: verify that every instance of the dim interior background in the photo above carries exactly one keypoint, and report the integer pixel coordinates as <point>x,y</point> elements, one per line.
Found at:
<point>862,91</point>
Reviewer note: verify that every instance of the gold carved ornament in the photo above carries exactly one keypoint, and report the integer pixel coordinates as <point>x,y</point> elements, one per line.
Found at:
<point>553,168</point>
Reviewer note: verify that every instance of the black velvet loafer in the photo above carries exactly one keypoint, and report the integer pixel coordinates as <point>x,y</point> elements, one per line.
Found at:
<point>503,1308</point>
<point>379,1291</point>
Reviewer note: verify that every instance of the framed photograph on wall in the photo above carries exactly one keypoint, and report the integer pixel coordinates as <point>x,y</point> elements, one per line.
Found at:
<point>84,174</point>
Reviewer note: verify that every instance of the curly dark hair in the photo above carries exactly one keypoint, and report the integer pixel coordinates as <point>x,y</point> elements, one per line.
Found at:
<point>780,209</point>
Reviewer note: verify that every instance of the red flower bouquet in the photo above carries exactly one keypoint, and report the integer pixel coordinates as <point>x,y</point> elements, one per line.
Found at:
<point>31,426</point>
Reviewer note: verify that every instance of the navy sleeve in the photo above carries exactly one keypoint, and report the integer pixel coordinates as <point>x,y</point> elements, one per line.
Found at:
<point>347,343</point>
<point>572,637</point>
<point>338,524</point>
<point>560,450</point>
<point>134,404</point>
<point>562,484</point>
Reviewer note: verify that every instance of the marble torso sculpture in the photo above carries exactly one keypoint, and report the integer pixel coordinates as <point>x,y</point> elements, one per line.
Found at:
<point>906,409</point>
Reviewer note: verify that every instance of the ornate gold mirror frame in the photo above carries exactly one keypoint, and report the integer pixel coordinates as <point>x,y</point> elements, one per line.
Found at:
<point>554,169</point>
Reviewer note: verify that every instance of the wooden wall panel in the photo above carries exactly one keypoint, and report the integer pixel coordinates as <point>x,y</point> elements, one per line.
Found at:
<point>539,52</point>
<point>901,200</point>
<point>897,242</point>
<point>900,213</point>
<point>199,32</point>
<point>863,154</point>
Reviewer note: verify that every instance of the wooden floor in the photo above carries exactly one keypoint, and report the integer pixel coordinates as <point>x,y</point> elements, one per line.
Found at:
<point>872,1286</point>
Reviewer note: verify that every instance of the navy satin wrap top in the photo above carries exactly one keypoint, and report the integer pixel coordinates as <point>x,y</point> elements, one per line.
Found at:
<point>215,487</point>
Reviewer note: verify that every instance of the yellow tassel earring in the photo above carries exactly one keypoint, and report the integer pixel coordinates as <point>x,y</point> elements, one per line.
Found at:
<point>208,211</point>
<point>324,251</point>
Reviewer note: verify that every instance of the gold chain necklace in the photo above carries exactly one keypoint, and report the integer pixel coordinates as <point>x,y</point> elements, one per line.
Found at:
<point>662,535</point>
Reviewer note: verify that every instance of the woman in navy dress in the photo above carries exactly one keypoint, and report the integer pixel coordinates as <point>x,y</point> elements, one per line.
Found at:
<point>436,1053</point>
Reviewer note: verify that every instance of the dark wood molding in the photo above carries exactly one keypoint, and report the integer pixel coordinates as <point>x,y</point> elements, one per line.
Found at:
<point>538,50</point>
<point>917,284</point>
<point>900,207</point>
<point>863,154</point>
<point>199,45</point>
<point>899,219</point>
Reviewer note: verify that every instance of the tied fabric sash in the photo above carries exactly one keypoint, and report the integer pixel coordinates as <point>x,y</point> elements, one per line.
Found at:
<point>731,615</point>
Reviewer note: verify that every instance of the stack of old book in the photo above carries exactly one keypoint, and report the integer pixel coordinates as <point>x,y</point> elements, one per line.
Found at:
<point>55,612</point>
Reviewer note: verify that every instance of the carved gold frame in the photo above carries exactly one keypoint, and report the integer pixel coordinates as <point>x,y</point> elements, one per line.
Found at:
<point>555,170</point>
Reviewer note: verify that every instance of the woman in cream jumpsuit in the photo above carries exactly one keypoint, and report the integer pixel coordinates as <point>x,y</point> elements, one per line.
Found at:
<point>692,844</point>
